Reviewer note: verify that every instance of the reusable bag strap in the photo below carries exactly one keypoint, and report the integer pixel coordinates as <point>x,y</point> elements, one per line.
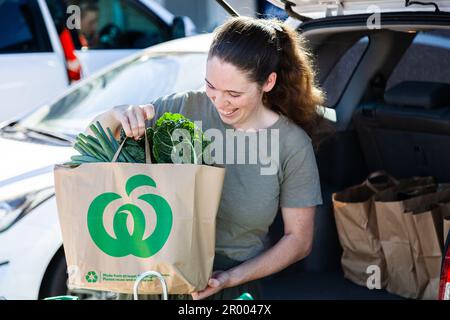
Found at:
<point>142,276</point>
<point>116,155</point>
<point>148,158</point>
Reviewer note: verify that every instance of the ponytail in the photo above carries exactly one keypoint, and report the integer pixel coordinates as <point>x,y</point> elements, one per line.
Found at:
<point>295,94</point>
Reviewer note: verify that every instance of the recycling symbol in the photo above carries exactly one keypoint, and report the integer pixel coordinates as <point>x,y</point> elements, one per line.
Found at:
<point>91,276</point>
<point>124,243</point>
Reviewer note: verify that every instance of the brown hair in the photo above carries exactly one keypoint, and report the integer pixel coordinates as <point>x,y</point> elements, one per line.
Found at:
<point>260,47</point>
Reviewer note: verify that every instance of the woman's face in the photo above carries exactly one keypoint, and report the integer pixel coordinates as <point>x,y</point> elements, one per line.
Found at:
<point>237,99</point>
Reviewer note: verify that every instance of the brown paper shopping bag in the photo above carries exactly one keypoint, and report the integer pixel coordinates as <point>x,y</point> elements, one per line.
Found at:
<point>410,236</point>
<point>357,229</point>
<point>426,226</point>
<point>119,220</point>
<point>425,233</point>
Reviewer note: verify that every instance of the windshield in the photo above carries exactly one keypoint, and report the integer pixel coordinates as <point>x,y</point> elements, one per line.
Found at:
<point>137,82</point>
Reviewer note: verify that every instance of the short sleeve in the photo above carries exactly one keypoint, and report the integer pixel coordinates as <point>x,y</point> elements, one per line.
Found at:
<point>171,103</point>
<point>300,185</point>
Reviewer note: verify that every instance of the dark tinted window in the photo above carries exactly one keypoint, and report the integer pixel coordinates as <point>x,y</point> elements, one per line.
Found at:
<point>119,24</point>
<point>22,27</point>
<point>427,59</point>
<point>339,76</point>
<point>58,11</point>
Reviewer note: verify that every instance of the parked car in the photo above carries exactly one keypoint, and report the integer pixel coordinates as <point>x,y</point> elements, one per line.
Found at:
<point>32,265</point>
<point>42,52</point>
<point>356,66</point>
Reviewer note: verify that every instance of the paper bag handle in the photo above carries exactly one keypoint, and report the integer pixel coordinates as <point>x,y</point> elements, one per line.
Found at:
<point>148,158</point>
<point>143,276</point>
<point>380,173</point>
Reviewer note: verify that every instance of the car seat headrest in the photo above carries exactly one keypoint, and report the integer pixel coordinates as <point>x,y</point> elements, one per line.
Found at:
<point>428,95</point>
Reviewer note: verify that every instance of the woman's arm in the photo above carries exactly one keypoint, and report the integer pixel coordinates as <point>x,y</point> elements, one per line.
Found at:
<point>295,245</point>
<point>107,120</point>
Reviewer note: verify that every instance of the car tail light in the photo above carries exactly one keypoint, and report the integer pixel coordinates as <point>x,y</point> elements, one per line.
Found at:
<point>444,288</point>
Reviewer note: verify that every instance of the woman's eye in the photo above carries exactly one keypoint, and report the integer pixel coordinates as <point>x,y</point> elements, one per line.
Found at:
<point>234,95</point>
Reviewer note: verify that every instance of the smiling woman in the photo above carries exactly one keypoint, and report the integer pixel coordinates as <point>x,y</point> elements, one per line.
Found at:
<point>236,97</point>
<point>258,78</point>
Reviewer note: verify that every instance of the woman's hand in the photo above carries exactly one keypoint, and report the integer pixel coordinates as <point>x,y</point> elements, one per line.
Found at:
<point>132,118</point>
<point>218,281</point>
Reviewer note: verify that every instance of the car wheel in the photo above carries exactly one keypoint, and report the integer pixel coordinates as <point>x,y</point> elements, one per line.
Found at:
<point>55,283</point>
<point>55,279</point>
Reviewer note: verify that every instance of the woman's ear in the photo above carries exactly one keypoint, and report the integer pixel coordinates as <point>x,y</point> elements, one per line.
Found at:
<point>270,82</point>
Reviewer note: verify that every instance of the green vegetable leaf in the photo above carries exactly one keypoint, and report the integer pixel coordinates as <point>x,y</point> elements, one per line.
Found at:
<point>186,144</point>
<point>171,134</point>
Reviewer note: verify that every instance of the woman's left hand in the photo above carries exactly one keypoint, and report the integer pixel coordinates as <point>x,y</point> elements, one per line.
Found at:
<point>218,281</point>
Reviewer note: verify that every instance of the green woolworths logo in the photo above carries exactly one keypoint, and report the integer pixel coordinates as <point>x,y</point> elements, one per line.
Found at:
<point>125,243</point>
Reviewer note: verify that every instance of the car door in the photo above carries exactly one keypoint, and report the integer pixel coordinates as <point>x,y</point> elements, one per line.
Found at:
<point>114,29</point>
<point>32,69</point>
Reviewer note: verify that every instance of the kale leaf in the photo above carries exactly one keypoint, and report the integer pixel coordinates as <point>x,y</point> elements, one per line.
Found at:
<point>189,146</point>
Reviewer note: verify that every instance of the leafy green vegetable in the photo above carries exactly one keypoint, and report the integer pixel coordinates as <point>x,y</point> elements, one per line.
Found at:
<point>188,146</point>
<point>133,148</point>
<point>100,148</point>
<point>172,134</point>
<point>160,135</point>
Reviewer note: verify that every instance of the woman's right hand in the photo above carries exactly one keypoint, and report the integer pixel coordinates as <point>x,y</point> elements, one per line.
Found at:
<point>133,117</point>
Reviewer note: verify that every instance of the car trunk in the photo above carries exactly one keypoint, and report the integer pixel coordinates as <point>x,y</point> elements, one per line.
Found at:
<point>342,158</point>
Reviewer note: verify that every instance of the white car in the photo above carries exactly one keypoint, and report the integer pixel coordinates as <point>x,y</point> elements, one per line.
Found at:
<point>33,64</point>
<point>356,67</point>
<point>32,263</point>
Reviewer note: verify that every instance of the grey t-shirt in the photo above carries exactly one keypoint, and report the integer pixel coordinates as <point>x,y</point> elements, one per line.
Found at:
<point>251,197</point>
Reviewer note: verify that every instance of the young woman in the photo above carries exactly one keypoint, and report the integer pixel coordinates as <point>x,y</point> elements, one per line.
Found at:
<point>259,76</point>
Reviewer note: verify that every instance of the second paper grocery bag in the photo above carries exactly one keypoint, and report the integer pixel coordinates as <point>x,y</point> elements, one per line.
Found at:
<point>357,228</point>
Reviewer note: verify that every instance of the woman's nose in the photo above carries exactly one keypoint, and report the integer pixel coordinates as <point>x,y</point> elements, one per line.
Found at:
<point>221,101</point>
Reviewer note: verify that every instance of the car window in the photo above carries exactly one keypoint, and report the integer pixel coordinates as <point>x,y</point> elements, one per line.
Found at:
<point>22,27</point>
<point>140,81</point>
<point>118,24</point>
<point>268,10</point>
<point>426,59</point>
<point>339,76</point>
